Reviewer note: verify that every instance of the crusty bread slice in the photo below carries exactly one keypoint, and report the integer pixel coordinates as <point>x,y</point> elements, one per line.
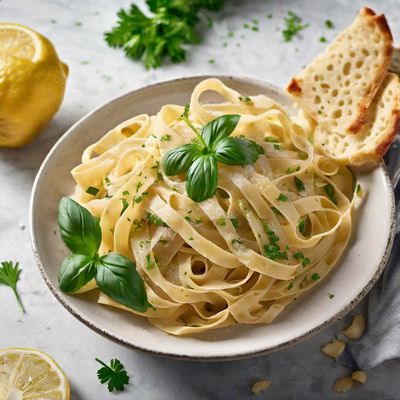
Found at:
<point>367,147</point>
<point>338,86</point>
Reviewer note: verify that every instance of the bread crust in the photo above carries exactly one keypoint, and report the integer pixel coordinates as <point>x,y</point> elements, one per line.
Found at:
<point>294,87</point>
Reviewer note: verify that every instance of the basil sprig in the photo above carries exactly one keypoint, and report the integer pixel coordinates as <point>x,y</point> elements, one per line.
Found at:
<point>199,159</point>
<point>115,275</point>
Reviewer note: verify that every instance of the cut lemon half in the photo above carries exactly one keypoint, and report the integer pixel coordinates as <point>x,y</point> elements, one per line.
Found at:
<point>32,83</point>
<point>30,374</point>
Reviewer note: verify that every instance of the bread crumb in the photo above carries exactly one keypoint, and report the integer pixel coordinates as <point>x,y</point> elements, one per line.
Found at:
<point>334,349</point>
<point>343,385</point>
<point>260,386</point>
<point>356,329</point>
<point>359,376</point>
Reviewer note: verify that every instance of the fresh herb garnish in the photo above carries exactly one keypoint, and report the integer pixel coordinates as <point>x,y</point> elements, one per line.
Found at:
<point>329,24</point>
<point>92,190</point>
<point>358,190</point>
<point>315,276</point>
<point>162,35</point>
<point>114,375</point>
<point>165,138</point>
<point>299,256</point>
<point>107,180</point>
<point>274,252</point>
<point>331,295</point>
<point>246,99</point>
<point>9,276</point>
<point>115,275</point>
<point>235,222</point>
<point>323,39</point>
<point>200,159</point>
<point>270,233</point>
<point>125,205</point>
<point>275,142</point>
<point>299,184</point>
<point>282,197</point>
<point>290,286</point>
<point>155,219</point>
<point>303,226</point>
<point>150,264</point>
<point>330,192</point>
<point>237,243</point>
<point>221,221</point>
<point>292,170</point>
<point>293,26</point>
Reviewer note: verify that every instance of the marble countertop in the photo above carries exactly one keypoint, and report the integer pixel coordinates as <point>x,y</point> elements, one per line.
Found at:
<point>98,74</point>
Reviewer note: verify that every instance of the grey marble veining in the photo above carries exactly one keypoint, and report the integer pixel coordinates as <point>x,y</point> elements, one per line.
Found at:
<point>97,74</point>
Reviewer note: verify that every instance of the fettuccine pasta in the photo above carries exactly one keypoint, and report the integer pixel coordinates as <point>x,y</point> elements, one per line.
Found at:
<point>272,231</point>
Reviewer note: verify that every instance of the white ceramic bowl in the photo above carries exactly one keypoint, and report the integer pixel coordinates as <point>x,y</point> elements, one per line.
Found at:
<point>350,281</point>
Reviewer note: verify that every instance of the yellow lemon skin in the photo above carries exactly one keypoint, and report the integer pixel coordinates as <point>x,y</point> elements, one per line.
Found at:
<point>32,84</point>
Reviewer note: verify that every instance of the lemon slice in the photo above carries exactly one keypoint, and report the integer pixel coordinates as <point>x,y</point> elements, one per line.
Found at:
<point>32,83</point>
<point>30,374</point>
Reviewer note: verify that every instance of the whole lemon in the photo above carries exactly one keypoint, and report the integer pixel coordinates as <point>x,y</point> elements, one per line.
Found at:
<point>32,84</point>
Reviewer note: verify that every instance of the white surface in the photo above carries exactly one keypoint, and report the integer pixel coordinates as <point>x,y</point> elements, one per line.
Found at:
<point>301,372</point>
<point>359,265</point>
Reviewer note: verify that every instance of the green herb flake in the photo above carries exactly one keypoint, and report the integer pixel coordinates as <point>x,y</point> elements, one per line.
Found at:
<point>190,238</point>
<point>323,39</point>
<point>9,276</point>
<point>273,252</point>
<point>276,211</point>
<point>315,276</point>
<point>329,24</point>
<point>92,190</point>
<point>150,264</point>
<point>292,170</point>
<point>359,190</point>
<point>299,184</point>
<point>293,25</point>
<point>211,61</point>
<point>155,219</point>
<point>330,192</point>
<point>282,197</point>
<point>125,205</point>
<point>246,99</point>
<point>125,193</point>
<point>165,138</point>
<point>255,29</point>
<point>235,222</point>
<point>221,221</point>
<point>114,375</point>
<point>273,238</point>
<point>139,185</point>
<point>144,243</point>
<point>269,16</point>
<point>107,180</point>
<point>237,243</point>
<point>302,226</point>
<point>290,286</point>
<point>331,295</point>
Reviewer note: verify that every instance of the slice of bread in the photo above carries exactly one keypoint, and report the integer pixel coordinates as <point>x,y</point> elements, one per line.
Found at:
<point>367,147</point>
<point>338,86</point>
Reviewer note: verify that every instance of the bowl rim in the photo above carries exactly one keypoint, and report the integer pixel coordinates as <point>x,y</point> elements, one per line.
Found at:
<point>115,337</point>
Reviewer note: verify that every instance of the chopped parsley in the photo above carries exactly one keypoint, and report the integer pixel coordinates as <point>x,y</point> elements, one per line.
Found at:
<point>139,185</point>
<point>237,243</point>
<point>190,238</point>
<point>331,295</point>
<point>290,286</point>
<point>299,256</point>
<point>273,238</point>
<point>315,276</point>
<point>276,211</point>
<point>92,190</point>
<point>165,138</point>
<point>125,205</point>
<point>292,170</point>
<point>107,180</point>
<point>211,61</point>
<point>138,199</point>
<point>246,99</point>
<point>273,252</point>
<point>282,197</point>
<point>330,192</point>
<point>125,193</point>
<point>144,243</point>
<point>329,24</point>
<point>323,39</point>
<point>293,25</point>
<point>137,224</point>
<point>274,142</point>
<point>221,221</point>
<point>150,264</point>
<point>303,226</point>
<point>235,222</point>
<point>358,190</point>
<point>269,16</point>
<point>299,184</point>
<point>155,219</point>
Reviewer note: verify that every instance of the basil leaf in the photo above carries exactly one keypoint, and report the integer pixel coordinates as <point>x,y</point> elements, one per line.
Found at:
<point>218,129</point>
<point>80,231</point>
<point>117,277</point>
<point>76,271</point>
<point>202,178</point>
<point>236,151</point>
<point>179,160</point>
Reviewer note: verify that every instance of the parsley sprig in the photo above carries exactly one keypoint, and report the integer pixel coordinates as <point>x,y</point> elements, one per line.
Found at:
<point>199,159</point>
<point>293,26</point>
<point>161,35</point>
<point>9,276</point>
<point>114,375</point>
<point>115,274</point>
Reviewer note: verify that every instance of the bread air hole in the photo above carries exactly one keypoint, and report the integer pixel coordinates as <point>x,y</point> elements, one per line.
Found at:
<point>335,92</point>
<point>346,68</point>
<point>317,100</point>
<point>337,114</point>
<point>359,63</point>
<point>329,67</point>
<point>365,52</point>
<point>377,38</point>
<point>341,103</point>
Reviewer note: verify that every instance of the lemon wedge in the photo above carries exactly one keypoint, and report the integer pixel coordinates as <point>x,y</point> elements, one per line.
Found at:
<point>30,374</point>
<point>32,83</point>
